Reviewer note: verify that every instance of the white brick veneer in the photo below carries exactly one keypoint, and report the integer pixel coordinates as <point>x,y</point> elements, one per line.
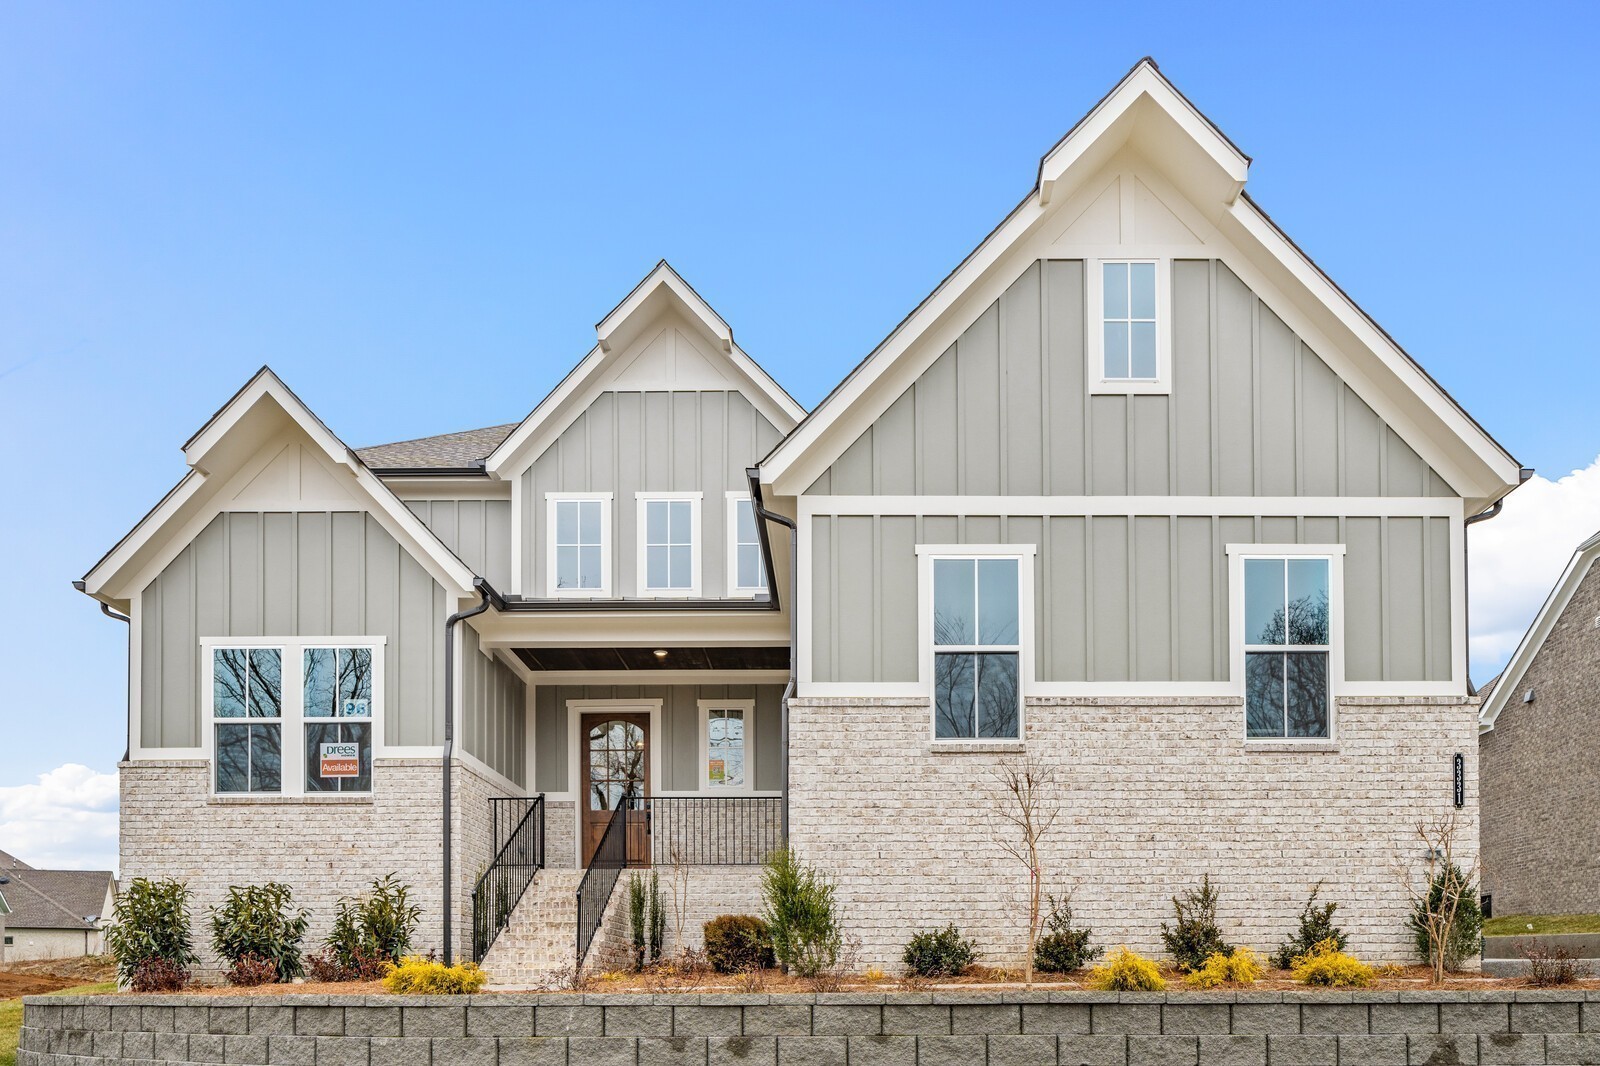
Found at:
<point>1156,792</point>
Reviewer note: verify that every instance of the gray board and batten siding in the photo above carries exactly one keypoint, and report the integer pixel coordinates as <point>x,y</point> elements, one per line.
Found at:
<point>477,531</point>
<point>628,442</point>
<point>1006,409</point>
<point>1253,411</point>
<point>493,704</point>
<point>304,573</point>
<point>679,744</point>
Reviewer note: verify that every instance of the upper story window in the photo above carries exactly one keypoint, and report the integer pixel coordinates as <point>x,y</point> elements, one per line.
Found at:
<point>976,637</point>
<point>669,539</point>
<point>1288,619</point>
<point>725,743</point>
<point>747,572</point>
<point>580,551</point>
<point>290,703</point>
<point>1128,350</point>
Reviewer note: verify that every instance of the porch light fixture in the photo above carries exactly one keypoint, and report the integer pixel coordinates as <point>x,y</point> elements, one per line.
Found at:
<point>661,653</point>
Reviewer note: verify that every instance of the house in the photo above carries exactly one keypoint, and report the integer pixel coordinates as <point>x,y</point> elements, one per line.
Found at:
<point>1539,790</point>
<point>1137,493</point>
<point>52,914</point>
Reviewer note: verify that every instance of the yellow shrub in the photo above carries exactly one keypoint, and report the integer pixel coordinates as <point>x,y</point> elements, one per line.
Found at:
<point>424,977</point>
<point>1326,965</point>
<point>873,974</point>
<point>1243,967</point>
<point>1125,971</point>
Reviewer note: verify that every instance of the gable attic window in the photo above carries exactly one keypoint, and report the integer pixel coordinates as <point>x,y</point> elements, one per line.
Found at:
<point>579,557</point>
<point>1128,333</point>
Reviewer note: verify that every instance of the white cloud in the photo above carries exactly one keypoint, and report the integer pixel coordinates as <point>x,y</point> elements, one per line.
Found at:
<point>1517,557</point>
<point>67,820</point>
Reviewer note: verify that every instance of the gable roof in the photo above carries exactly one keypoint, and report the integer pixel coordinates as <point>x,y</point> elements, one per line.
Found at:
<point>55,899</point>
<point>9,861</point>
<point>1146,111</point>
<point>660,290</point>
<point>233,437</point>
<point>1555,605</point>
<point>461,451</point>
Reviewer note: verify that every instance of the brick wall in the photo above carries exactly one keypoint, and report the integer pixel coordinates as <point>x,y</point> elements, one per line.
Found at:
<point>1155,793</point>
<point>1541,788</point>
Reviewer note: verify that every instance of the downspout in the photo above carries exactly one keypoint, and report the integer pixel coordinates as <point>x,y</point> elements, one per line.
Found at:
<point>485,593</point>
<point>754,475</point>
<point>118,616</point>
<point>1523,474</point>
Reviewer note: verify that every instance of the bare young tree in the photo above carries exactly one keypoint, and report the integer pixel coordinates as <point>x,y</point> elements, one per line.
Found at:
<point>678,881</point>
<point>1029,810</point>
<point>1437,888</point>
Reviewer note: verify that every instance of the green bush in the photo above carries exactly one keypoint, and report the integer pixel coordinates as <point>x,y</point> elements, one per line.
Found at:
<point>738,943</point>
<point>1062,948</point>
<point>375,928</point>
<point>256,921</point>
<point>149,935</point>
<point>1193,936</point>
<point>940,953</point>
<point>802,915</point>
<point>1316,926</point>
<point>1466,931</point>
<point>647,919</point>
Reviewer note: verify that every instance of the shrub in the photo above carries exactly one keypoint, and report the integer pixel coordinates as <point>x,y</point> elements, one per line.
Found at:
<point>1552,966</point>
<point>1243,967</point>
<point>255,922</point>
<point>1125,971</point>
<point>325,965</point>
<point>373,929</point>
<point>248,971</point>
<point>1466,930</point>
<point>1326,965</point>
<point>1194,937</point>
<point>1063,948</point>
<point>801,914</point>
<point>940,953</point>
<point>1316,925</point>
<point>149,934</point>
<point>636,909</point>
<point>416,975</point>
<point>738,943</point>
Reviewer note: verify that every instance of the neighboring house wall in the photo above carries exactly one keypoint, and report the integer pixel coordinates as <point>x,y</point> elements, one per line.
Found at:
<point>493,711</point>
<point>478,531</point>
<point>1541,789</point>
<point>629,442</point>
<point>278,573</point>
<point>31,944</point>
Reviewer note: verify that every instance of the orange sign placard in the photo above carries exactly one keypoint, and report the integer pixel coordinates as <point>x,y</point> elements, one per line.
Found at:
<point>341,760</point>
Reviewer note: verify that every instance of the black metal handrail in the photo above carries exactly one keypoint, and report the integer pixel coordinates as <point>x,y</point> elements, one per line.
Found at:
<point>519,854</point>
<point>600,876</point>
<point>714,830</point>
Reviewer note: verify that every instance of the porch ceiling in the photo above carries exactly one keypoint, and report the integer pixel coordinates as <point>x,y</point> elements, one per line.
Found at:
<point>645,660</point>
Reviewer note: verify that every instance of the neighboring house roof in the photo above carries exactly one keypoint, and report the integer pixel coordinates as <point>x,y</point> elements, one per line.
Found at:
<point>445,451</point>
<point>1555,605</point>
<point>1486,689</point>
<point>1145,111</point>
<point>9,861</point>
<point>55,899</point>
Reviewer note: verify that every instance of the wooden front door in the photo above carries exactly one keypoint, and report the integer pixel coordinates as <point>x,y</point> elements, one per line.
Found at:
<point>614,759</point>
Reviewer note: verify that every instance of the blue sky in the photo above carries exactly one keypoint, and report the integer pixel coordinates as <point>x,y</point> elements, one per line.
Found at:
<point>416,214</point>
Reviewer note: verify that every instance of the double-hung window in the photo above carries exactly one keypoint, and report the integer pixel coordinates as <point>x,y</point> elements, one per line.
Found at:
<point>669,540</point>
<point>579,558</point>
<point>1288,649</point>
<point>725,727</point>
<point>747,572</point>
<point>293,716</point>
<point>1128,332</point>
<point>975,641</point>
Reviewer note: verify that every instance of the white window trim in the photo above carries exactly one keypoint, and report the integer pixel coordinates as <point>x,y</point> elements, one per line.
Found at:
<point>550,501</point>
<point>1024,554</point>
<point>704,781</point>
<point>1334,554</point>
<point>734,589</point>
<point>641,502</point>
<point>1094,329</point>
<point>292,740</point>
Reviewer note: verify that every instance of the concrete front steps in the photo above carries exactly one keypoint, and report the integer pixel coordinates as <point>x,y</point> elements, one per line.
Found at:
<point>535,950</point>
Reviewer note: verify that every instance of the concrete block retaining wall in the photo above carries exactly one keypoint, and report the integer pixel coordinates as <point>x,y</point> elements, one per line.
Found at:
<point>846,1029</point>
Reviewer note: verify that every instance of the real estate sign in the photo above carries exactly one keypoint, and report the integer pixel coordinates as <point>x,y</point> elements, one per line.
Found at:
<point>341,759</point>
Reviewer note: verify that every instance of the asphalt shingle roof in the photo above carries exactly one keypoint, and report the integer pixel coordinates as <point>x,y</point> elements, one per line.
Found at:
<point>52,899</point>
<point>445,451</point>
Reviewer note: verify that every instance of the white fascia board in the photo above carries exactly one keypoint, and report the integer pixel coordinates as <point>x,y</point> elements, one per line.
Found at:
<point>506,461</point>
<point>448,488</point>
<point>1555,605</point>
<point>664,277</point>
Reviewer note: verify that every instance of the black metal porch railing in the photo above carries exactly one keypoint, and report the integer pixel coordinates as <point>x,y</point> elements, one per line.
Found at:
<point>519,853</point>
<point>600,875</point>
<point>714,830</point>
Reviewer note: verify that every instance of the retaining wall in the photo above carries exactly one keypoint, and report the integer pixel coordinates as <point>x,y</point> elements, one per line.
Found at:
<point>844,1029</point>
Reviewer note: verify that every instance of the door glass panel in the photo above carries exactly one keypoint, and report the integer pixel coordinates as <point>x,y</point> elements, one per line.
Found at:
<point>616,763</point>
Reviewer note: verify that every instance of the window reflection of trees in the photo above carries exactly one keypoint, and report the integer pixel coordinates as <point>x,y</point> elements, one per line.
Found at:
<point>616,763</point>
<point>975,693</point>
<point>1286,693</point>
<point>248,684</point>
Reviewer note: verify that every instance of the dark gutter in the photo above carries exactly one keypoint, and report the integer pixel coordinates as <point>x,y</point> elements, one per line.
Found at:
<point>429,471</point>
<point>1523,474</point>
<point>487,596</point>
<point>753,474</point>
<point>520,606</point>
<point>118,616</point>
